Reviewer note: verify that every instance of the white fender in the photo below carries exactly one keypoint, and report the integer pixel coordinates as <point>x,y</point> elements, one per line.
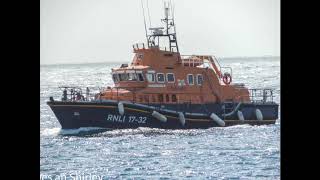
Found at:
<point>159,116</point>
<point>240,116</point>
<point>181,118</point>
<point>216,119</point>
<point>120,108</point>
<point>259,114</point>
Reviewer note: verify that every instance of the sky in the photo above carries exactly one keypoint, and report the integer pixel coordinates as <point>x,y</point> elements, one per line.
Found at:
<point>87,31</point>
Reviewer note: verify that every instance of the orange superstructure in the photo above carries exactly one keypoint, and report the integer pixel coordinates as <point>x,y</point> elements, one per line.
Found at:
<point>161,75</point>
<point>158,76</point>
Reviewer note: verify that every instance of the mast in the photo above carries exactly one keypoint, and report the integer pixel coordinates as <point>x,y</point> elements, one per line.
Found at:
<point>174,26</point>
<point>166,15</point>
<point>144,20</point>
<point>169,31</point>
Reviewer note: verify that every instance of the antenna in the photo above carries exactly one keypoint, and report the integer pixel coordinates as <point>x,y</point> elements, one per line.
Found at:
<point>166,15</point>
<point>172,10</point>
<point>166,10</point>
<point>144,20</point>
<point>174,24</point>
<point>148,13</point>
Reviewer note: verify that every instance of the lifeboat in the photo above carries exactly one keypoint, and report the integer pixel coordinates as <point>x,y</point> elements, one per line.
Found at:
<point>161,88</point>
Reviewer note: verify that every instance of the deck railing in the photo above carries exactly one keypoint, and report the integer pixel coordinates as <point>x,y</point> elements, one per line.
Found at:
<point>139,46</point>
<point>76,94</point>
<point>261,95</point>
<point>210,60</point>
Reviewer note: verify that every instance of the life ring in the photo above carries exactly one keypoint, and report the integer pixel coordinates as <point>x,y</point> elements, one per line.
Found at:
<point>227,78</point>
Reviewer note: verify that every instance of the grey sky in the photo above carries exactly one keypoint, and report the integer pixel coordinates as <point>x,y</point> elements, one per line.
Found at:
<point>77,31</point>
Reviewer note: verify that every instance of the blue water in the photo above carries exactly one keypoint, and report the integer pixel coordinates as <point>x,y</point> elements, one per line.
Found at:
<point>237,152</point>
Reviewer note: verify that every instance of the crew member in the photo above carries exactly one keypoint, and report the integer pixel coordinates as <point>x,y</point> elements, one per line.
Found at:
<point>87,93</point>
<point>64,98</point>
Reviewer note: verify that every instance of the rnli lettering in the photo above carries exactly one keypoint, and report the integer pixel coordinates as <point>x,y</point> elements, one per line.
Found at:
<point>127,119</point>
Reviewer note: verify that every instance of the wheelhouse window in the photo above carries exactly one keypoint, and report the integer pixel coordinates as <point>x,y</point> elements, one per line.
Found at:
<point>140,76</point>
<point>190,79</point>
<point>123,77</point>
<point>160,77</point>
<point>132,77</point>
<point>170,77</point>
<point>150,77</point>
<point>127,77</point>
<point>199,79</point>
<point>115,77</point>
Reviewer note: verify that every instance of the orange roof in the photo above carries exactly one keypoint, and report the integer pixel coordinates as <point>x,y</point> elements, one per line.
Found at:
<point>140,67</point>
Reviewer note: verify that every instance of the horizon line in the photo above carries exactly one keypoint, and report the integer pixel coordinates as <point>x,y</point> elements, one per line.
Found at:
<point>96,62</point>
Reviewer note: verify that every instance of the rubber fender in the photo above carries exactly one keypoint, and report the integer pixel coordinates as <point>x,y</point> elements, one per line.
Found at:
<point>182,119</point>
<point>159,116</point>
<point>259,115</point>
<point>216,119</point>
<point>120,108</point>
<point>240,116</point>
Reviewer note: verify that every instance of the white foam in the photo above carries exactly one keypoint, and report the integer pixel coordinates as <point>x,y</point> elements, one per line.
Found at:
<point>79,130</point>
<point>239,126</point>
<point>59,131</point>
<point>50,132</point>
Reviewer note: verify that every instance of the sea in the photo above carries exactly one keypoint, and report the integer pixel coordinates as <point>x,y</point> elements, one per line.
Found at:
<point>236,152</point>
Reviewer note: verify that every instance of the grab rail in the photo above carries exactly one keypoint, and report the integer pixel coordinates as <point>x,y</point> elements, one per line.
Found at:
<point>261,95</point>
<point>191,60</point>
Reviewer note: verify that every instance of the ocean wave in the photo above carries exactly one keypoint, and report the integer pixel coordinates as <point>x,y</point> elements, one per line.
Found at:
<point>66,132</point>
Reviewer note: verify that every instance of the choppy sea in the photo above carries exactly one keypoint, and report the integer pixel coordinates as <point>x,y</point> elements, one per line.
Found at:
<point>237,152</point>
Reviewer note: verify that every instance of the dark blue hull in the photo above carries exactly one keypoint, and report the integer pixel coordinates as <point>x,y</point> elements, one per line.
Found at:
<point>106,114</point>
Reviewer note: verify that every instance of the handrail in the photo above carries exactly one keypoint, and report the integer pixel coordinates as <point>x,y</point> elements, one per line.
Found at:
<point>74,95</point>
<point>138,46</point>
<point>201,59</point>
<point>218,71</point>
<point>215,58</point>
<point>214,62</point>
<point>213,90</point>
<point>260,95</point>
<point>264,96</point>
